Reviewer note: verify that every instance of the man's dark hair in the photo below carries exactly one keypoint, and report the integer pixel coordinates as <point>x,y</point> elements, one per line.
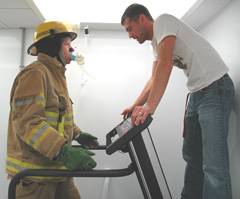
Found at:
<point>133,11</point>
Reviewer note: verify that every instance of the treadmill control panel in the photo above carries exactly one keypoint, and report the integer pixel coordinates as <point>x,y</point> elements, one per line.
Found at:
<point>126,133</point>
<point>124,127</point>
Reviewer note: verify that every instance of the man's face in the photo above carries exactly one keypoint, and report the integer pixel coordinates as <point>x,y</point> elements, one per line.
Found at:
<point>135,30</point>
<point>65,47</point>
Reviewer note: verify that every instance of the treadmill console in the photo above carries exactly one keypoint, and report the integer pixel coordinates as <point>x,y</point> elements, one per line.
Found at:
<point>124,127</point>
<point>126,133</point>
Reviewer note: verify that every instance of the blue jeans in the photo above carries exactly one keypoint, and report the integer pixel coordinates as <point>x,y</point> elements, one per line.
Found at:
<point>205,147</point>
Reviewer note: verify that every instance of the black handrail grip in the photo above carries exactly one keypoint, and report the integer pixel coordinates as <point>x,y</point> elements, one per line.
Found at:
<point>100,147</point>
<point>65,173</point>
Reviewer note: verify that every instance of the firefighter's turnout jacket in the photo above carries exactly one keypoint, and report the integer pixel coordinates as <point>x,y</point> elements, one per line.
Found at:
<point>41,118</point>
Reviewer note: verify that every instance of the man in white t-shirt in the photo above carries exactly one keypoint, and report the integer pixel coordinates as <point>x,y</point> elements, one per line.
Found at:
<point>211,90</point>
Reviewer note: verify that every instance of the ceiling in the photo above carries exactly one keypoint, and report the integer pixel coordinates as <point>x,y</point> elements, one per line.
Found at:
<point>204,11</point>
<point>16,14</point>
<point>19,14</point>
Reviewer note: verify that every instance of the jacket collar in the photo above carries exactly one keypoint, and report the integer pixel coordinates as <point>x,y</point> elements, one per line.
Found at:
<point>51,62</point>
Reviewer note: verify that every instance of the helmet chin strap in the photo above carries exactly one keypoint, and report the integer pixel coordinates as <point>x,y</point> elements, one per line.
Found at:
<point>60,55</point>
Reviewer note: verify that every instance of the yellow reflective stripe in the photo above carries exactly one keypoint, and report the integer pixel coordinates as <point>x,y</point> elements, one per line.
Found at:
<point>39,99</point>
<point>69,119</point>
<point>11,106</point>
<point>44,33</point>
<point>45,178</point>
<point>61,126</point>
<point>38,134</point>
<point>16,166</point>
<point>69,114</point>
<point>19,165</point>
<point>42,136</point>
<point>52,118</point>
<point>44,128</point>
<point>34,131</point>
<point>12,169</point>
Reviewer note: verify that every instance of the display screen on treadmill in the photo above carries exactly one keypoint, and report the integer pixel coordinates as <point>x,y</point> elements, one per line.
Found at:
<point>125,126</point>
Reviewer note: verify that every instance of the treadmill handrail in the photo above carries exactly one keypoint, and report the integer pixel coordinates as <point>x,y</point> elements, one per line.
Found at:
<point>100,147</point>
<point>66,173</point>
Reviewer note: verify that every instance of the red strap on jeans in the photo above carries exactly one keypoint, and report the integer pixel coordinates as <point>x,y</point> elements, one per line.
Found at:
<point>184,122</point>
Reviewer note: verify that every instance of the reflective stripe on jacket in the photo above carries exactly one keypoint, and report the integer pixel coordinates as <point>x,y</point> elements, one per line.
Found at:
<point>41,118</point>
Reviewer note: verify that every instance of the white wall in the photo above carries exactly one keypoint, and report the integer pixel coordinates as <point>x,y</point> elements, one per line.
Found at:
<point>120,68</point>
<point>10,61</point>
<point>224,34</point>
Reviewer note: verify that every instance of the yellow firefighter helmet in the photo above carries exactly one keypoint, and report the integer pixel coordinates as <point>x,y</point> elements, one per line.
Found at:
<point>50,29</point>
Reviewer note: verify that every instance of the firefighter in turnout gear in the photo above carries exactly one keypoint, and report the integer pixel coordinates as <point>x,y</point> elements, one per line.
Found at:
<point>41,125</point>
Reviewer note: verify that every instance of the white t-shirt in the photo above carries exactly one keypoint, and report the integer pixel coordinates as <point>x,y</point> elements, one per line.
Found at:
<point>199,60</point>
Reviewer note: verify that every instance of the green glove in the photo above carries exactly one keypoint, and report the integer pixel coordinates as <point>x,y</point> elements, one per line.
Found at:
<point>76,158</point>
<point>87,140</point>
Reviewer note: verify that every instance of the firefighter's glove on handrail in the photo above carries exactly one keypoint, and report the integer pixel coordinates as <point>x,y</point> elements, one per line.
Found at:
<point>87,140</point>
<point>76,158</point>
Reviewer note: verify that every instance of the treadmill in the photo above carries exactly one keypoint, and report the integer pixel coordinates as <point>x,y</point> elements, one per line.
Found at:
<point>134,140</point>
<point>137,141</point>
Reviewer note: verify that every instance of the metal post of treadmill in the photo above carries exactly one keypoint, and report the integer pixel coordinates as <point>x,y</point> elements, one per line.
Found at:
<point>145,172</point>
